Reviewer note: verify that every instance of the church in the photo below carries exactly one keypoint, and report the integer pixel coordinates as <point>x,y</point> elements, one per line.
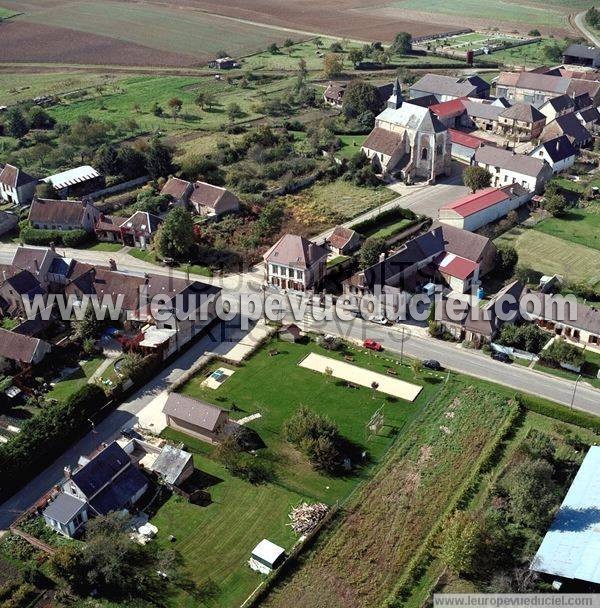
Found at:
<point>408,141</point>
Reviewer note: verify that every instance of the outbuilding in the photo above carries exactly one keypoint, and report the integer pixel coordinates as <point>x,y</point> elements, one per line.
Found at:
<point>66,514</point>
<point>266,556</point>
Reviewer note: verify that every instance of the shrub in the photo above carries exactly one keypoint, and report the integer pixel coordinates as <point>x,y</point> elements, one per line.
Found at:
<point>37,236</point>
<point>560,351</point>
<point>527,337</point>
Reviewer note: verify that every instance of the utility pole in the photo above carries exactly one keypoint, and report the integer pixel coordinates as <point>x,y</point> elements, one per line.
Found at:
<point>574,389</point>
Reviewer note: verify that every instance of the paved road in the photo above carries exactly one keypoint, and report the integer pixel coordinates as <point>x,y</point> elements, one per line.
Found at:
<point>583,27</point>
<point>123,417</point>
<point>470,362</point>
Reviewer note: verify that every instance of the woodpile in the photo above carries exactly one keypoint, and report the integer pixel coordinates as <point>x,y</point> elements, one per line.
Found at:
<point>306,517</point>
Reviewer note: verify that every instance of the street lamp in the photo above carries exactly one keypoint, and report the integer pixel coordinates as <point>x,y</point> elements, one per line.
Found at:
<point>574,389</point>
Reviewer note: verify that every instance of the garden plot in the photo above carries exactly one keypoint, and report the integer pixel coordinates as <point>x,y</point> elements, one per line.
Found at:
<point>363,377</point>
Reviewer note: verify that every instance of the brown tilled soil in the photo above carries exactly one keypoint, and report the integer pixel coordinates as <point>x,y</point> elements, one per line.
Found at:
<point>334,17</point>
<point>22,41</point>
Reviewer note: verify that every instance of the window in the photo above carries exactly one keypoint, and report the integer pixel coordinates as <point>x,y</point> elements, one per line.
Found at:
<point>424,154</point>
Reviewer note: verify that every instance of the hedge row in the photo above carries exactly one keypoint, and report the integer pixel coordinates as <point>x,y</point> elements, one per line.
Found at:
<point>561,412</point>
<point>68,238</point>
<point>396,213</point>
<point>45,436</point>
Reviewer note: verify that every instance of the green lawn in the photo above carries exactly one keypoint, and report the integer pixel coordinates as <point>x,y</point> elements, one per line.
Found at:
<point>339,259</point>
<point>215,541</point>
<point>528,55</point>
<point>242,514</point>
<point>581,226</point>
<point>589,371</point>
<point>110,247</point>
<point>6,12</point>
<point>390,229</point>
<point>549,254</point>
<point>148,255</point>
<point>63,389</point>
<point>350,146</point>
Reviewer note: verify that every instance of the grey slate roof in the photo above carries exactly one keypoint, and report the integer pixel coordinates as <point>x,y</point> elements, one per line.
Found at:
<point>101,469</point>
<point>582,51</point>
<point>523,112</point>
<point>506,159</point>
<point>559,148</point>
<point>438,84</point>
<point>64,508</point>
<point>119,492</point>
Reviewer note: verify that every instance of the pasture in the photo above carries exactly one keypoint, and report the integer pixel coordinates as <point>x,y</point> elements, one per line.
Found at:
<point>550,254</point>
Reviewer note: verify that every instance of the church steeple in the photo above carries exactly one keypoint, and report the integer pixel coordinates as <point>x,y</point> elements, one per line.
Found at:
<point>395,101</point>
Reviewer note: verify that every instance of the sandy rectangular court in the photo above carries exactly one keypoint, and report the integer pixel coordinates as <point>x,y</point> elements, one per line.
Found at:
<point>363,377</point>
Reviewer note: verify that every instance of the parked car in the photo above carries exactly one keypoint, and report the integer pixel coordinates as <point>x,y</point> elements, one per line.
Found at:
<point>432,364</point>
<point>500,356</point>
<point>170,262</point>
<point>372,345</point>
<point>379,320</point>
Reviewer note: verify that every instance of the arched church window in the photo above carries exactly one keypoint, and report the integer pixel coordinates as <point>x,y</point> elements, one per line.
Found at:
<point>424,154</point>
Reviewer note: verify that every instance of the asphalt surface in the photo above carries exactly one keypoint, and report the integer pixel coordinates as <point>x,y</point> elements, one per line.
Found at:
<point>588,33</point>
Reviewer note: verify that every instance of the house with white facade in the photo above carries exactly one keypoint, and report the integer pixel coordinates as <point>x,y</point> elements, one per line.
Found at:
<point>559,153</point>
<point>507,168</point>
<point>16,186</point>
<point>473,211</point>
<point>295,263</point>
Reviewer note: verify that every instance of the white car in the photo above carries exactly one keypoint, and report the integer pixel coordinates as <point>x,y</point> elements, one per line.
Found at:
<point>379,320</point>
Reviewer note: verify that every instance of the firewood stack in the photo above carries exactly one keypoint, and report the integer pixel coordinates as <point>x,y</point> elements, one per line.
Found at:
<point>306,517</point>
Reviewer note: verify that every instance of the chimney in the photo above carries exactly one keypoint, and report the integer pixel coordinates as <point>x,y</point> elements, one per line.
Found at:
<point>36,265</point>
<point>4,275</point>
<point>52,246</point>
<point>112,263</point>
<point>382,256</point>
<point>67,472</point>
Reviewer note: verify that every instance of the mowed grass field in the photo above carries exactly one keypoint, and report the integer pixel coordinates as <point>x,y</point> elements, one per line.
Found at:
<point>175,29</point>
<point>216,540</point>
<point>581,226</point>
<point>5,13</point>
<point>550,254</point>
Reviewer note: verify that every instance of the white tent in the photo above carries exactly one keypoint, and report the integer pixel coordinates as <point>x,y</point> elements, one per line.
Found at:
<point>266,556</point>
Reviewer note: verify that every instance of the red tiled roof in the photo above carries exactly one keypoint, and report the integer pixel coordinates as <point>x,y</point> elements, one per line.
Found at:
<point>341,236</point>
<point>383,141</point>
<point>175,187</point>
<point>458,267</point>
<point>448,109</point>
<point>473,203</point>
<point>466,139</point>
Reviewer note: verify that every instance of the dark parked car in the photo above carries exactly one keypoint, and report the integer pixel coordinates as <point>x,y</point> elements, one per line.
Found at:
<point>500,356</point>
<point>432,364</point>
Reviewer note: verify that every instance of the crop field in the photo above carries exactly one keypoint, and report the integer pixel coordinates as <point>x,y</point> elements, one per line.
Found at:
<point>550,254</point>
<point>387,523</point>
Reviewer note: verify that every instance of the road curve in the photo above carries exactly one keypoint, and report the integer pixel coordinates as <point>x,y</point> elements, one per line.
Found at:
<point>581,25</point>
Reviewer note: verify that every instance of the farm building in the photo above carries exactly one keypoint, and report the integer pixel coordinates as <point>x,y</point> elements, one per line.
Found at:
<point>569,125</point>
<point>223,63</point>
<point>204,198</point>
<point>559,153</point>
<point>521,120</point>
<point>464,145</point>
<point>16,186</point>
<point>483,207</point>
<point>334,94</point>
<point>22,351</point>
<point>508,167</point>
<point>582,54</point>
<point>570,550</point>
<point>343,241</point>
<point>76,182</point>
<point>557,106</point>
<point>197,418</point>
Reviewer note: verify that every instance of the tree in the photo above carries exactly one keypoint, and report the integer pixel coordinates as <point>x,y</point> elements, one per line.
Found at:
<point>554,202</point>
<point>532,492</point>
<point>234,111</point>
<point>328,371</point>
<point>273,49</point>
<point>507,260</point>
<point>355,56</point>
<point>89,327</point>
<point>175,237</point>
<point>200,100</point>
<point>535,32</point>
<point>333,65</point>
<point>46,190</point>
<point>157,110</point>
<point>416,366</point>
<point>175,104</point>
<point>553,52</point>
<point>477,178</point>
<point>370,251</point>
<point>40,119</point>
<point>15,122</point>
<point>132,162</point>
<point>402,44</point>
<point>374,387</point>
<point>159,159</point>
<point>462,542</point>
<point>288,43</point>
<point>592,17</point>
<point>107,160</point>
<point>360,97</point>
